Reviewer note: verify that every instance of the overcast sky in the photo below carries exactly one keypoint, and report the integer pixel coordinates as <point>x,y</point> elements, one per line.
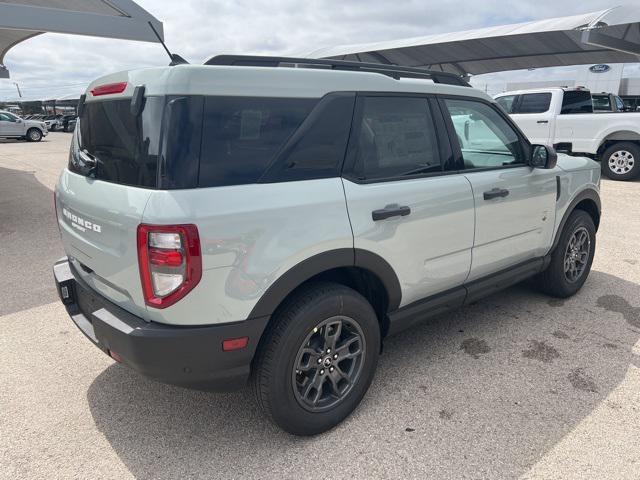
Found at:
<point>54,65</point>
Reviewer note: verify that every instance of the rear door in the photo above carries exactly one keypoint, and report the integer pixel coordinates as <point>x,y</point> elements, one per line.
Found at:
<point>102,194</point>
<point>10,125</point>
<point>533,115</point>
<point>514,203</point>
<point>402,205</point>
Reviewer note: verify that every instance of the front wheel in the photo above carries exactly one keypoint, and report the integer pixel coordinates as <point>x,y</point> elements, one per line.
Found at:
<point>34,135</point>
<point>621,161</point>
<point>571,260</point>
<point>318,359</point>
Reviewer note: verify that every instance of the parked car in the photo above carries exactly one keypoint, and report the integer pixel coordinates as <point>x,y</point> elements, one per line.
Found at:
<point>68,123</point>
<point>565,118</point>
<point>607,102</point>
<point>54,122</point>
<point>12,126</point>
<point>275,224</point>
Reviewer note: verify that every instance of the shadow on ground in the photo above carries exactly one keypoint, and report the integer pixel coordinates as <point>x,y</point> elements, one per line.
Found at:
<point>484,392</point>
<point>29,242</point>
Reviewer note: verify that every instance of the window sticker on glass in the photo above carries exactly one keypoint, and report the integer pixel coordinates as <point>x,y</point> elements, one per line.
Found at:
<point>250,124</point>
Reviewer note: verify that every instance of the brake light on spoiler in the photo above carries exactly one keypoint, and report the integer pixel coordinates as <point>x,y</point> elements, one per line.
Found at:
<point>170,262</point>
<point>109,88</point>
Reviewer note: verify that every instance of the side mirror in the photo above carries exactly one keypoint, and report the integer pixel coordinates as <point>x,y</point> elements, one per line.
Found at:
<point>543,156</point>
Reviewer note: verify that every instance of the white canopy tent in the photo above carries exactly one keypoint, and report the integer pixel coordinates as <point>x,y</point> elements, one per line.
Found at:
<point>608,36</point>
<point>122,19</point>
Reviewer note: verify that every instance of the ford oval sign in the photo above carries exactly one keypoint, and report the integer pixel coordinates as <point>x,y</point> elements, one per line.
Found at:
<point>600,68</point>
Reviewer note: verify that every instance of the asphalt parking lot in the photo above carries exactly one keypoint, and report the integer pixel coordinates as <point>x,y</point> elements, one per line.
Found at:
<point>516,386</point>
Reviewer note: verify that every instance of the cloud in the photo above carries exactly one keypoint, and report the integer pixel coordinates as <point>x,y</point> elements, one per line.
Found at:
<point>53,65</point>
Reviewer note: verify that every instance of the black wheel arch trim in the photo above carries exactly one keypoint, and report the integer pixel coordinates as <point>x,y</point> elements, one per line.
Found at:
<point>588,194</point>
<point>323,262</point>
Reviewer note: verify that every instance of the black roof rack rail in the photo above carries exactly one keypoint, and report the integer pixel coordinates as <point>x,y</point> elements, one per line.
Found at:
<point>394,71</point>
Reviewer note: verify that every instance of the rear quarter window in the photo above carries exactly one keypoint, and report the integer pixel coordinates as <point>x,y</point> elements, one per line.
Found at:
<point>242,135</point>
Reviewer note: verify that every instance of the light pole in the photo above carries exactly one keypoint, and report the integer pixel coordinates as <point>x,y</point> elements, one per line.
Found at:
<point>18,87</point>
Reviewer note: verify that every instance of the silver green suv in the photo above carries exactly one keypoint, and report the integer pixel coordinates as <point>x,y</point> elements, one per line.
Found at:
<point>272,220</point>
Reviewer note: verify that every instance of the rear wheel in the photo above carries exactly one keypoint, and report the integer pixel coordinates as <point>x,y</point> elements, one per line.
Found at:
<point>571,260</point>
<point>621,161</point>
<point>318,359</point>
<point>34,135</point>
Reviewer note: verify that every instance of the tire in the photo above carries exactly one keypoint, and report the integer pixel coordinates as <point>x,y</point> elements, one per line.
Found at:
<point>556,280</point>
<point>621,161</point>
<point>34,135</point>
<point>285,392</point>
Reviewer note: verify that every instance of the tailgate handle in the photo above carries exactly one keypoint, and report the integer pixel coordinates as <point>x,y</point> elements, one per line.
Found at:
<point>393,210</point>
<point>495,193</point>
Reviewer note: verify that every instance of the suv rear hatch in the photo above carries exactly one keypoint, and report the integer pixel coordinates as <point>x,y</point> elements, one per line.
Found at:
<point>101,196</point>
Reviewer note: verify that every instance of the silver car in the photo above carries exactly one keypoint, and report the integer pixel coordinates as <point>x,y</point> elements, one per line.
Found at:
<point>250,221</point>
<point>12,126</point>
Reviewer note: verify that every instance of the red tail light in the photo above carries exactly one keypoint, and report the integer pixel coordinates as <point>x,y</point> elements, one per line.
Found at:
<point>109,89</point>
<point>170,262</point>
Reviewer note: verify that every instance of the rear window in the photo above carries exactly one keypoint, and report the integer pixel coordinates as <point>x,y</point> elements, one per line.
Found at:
<point>534,103</point>
<point>124,146</point>
<point>242,135</point>
<point>576,101</point>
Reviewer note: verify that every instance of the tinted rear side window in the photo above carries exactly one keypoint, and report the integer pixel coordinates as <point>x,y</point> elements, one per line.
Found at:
<point>242,135</point>
<point>534,103</point>
<point>576,101</point>
<point>317,148</point>
<point>125,146</point>
<point>396,137</point>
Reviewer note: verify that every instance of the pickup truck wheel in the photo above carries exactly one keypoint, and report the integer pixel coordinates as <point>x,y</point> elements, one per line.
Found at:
<point>571,260</point>
<point>621,161</point>
<point>34,135</point>
<point>317,359</point>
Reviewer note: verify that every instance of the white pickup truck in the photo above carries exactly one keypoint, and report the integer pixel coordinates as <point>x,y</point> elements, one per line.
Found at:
<point>564,118</point>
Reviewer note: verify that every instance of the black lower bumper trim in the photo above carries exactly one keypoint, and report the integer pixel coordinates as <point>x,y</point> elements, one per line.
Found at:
<point>186,356</point>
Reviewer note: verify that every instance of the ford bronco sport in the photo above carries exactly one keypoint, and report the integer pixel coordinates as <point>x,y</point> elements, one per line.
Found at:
<point>272,220</point>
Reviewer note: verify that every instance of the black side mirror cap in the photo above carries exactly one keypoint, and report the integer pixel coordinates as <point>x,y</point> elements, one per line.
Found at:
<point>543,156</point>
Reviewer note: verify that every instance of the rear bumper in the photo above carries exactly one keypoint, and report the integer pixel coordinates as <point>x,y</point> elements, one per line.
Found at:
<point>185,356</point>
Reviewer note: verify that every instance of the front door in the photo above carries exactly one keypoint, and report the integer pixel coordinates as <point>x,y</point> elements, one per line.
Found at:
<point>401,204</point>
<point>532,114</point>
<point>515,204</point>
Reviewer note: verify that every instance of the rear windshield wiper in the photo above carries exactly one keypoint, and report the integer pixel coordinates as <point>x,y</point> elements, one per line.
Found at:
<point>89,160</point>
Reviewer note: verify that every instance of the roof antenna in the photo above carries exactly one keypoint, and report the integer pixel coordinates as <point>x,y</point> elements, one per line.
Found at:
<point>175,58</point>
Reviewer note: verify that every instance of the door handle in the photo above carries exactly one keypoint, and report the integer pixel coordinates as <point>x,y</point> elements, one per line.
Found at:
<point>542,121</point>
<point>495,193</point>
<point>389,211</point>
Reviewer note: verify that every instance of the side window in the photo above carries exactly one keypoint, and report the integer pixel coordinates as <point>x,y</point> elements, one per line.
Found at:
<point>507,102</point>
<point>486,139</point>
<point>534,103</point>
<point>619,104</point>
<point>601,103</point>
<point>242,135</point>
<point>317,148</point>
<point>396,137</point>
<point>576,101</point>
<point>5,117</point>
